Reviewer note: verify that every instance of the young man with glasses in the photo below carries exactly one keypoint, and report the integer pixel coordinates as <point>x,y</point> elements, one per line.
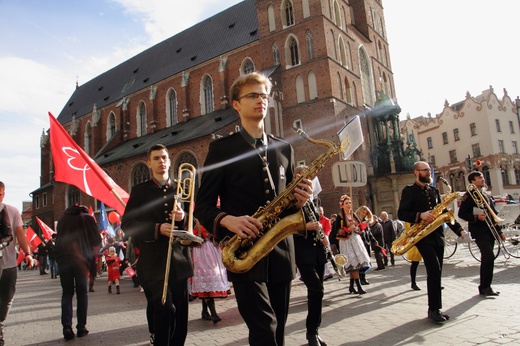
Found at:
<point>245,171</point>
<point>417,202</point>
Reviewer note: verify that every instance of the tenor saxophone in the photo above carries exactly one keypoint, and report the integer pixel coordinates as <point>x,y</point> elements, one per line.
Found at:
<point>239,255</point>
<point>410,237</point>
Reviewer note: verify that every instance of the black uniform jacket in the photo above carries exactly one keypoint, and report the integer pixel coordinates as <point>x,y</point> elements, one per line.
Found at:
<point>479,229</point>
<point>416,200</point>
<point>150,205</point>
<point>235,173</point>
<point>309,250</point>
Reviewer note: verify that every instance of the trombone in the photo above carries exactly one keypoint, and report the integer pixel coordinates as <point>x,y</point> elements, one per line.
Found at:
<point>185,193</point>
<point>492,220</point>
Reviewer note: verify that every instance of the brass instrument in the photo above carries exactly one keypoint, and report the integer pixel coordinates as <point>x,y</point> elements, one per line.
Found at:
<point>185,193</point>
<point>492,220</point>
<point>239,255</point>
<point>410,237</point>
<point>308,209</point>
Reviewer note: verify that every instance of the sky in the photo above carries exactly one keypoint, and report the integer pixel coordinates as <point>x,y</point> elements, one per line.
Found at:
<point>438,50</point>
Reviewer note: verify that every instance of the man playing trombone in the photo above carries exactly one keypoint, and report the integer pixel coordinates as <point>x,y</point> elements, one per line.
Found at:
<point>150,216</point>
<point>479,210</point>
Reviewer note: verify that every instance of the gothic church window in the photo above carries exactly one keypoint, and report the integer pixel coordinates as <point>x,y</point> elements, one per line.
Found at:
<point>300,89</point>
<point>337,16</point>
<point>310,45</point>
<point>171,108</point>
<point>292,55</point>
<point>313,87</point>
<point>72,195</point>
<point>342,52</point>
<point>340,87</point>
<point>248,66</point>
<point>367,80</point>
<point>88,138</point>
<point>140,174</point>
<point>111,125</point>
<point>207,95</point>
<point>306,9</point>
<point>348,92</point>
<point>276,54</point>
<point>141,119</point>
<point>288,13</point>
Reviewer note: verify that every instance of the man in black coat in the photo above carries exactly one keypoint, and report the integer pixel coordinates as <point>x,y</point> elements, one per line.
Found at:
<point>245,171</point>
<point>480,230</point>
<point>417,202</point>
<point>148,219</point>
<point>389,236</point>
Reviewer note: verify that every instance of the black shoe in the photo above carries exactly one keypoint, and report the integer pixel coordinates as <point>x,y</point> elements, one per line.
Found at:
<point>365,282</point>
<point>361,291</point>
<point>488,292</point>
<point>68,334</point>
<point>216,319</point>
<point>205,316</point>
<point>313,340</point>
<point>382,268</point>
<point>352,290</point>
<point>436,316</point>
<point>415,287</point>
<point>82,332</point>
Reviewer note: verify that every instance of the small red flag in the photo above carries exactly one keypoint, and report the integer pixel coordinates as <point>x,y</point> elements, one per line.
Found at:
<point>46,230</point>
<point>90,211</point>
<point>73,166</point>
<point>20,258</point>
<point>34,240</point>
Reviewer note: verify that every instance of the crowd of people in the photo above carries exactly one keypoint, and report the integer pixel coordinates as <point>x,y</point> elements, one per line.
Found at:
<point>244,171</point>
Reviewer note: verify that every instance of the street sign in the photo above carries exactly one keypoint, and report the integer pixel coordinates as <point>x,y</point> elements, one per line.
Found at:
<point>349,174</point>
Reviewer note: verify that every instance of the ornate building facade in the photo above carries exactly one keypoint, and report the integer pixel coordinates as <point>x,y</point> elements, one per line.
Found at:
<point>479,133</point>
<point>328,61</point>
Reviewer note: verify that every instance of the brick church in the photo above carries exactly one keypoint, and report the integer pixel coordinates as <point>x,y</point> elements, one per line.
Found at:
<point>328,60</point>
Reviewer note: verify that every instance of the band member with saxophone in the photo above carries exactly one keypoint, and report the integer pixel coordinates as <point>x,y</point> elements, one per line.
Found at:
<point>310,260</point>
<point>246,170</point>
<point>148,219</point>
<point>417,200</point>
<point>479,226</point>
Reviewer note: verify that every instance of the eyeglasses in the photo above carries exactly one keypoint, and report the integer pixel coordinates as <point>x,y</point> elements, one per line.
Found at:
<point>254,96</point>
<point>424,170</point>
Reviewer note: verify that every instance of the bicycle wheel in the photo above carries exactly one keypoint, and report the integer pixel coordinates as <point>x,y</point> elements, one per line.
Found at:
<point>475,251</point>
<point>512,245</point>
<point>450,247</point>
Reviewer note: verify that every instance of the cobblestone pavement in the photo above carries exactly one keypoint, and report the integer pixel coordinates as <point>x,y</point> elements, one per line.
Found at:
<point>389,314</point>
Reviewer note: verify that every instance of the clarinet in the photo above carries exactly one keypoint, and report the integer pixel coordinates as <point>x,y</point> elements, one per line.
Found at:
<point>320,236</point>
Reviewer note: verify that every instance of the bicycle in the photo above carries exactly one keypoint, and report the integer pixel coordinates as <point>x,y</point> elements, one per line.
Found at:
<point>511,246</point>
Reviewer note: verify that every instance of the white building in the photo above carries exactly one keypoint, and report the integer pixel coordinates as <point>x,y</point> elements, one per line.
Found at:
<point>479,133</point>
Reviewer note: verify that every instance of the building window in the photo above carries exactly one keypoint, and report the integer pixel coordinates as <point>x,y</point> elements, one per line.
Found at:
<point>111,125</point>
<point>476,150</point>
<point>313,86</point>
<point>310,45</point>
<point>37,202</point>
<point>445,137</point>
<point>430,142</point>
<point>473,129</point>
<point>248,66</point>
<point>432,161</point>
<point>456,134</point>
<point>336,15</point>
<point>288,13</point>
<point>293,50</point>
<point>72,195</point>
<point>171,100</point>
<point>342,52</point>
<point>517,176</point>
<point>207,95</point>
<point>297,124</point>
<point>515,148</point>
<point>487,176</point>
<point>505,176</point>
<point>348,92</point>
<point>501,146</point>
<point>140,174</point>
<point>44,199</point>
<point>497,123</point>
<point>511,127</point>
<point>453,156</point>
<point>141,119</point>
<point>300,90</point>
<point>276,54</point>
<point>270,15</point>
<point>87,138</point>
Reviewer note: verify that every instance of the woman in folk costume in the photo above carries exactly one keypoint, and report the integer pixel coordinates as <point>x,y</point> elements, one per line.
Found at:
<point>348,228</point>
<point>210,277</point>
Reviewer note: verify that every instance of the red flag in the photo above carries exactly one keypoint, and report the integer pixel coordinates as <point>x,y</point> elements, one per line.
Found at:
<point>34,240</point>
<point>46,230</point>
<point>73,166</point>
<point>90,211</point>
<point>20,258</point>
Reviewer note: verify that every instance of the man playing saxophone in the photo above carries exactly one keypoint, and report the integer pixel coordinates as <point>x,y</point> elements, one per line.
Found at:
<point>417,202</point>
<point>245,171</point>
<point>482,228</point>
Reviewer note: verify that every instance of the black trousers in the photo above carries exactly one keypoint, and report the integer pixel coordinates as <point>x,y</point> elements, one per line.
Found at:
<point>433,256</point>
<point>264,307</point>
<point>312,276</point>
<point>487,261</point>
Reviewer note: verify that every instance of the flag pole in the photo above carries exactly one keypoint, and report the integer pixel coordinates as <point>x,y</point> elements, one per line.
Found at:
<point>116,195</point>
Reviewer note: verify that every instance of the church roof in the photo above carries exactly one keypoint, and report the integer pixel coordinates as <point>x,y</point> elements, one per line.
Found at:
<point>230,29</point>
